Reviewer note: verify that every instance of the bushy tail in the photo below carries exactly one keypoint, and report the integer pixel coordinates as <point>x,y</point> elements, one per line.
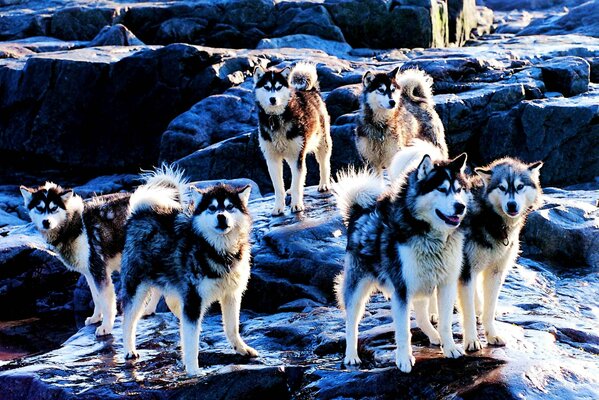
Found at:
<point>416,85</point>
<point>164,190</point>
<point>356,191</point>
<point>303,76</point>
<point>410,156</point>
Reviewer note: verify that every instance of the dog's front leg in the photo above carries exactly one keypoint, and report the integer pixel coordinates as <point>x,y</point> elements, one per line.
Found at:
<point>466,291</point>
<point>230,305</point>
<point>275,169</point>
<point>97,315</point>
<point>492,281</point>
<point>298,180</point>
<point>400,308</point>
<point>445,301</point>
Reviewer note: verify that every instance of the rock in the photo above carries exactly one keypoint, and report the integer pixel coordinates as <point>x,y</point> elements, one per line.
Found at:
<point>116,35</point>
<point>114,95</point>
<point>560,131</point>
<point>301,41</point>
<point>80,23</point>
<point>42,44</point>
<point>462,20</point>
<point>343,100</point>
<point>567,75</point>
<point>212,120</point>
<point>32,278</point>
<point>185,30</point>
<point>581,20</point>
<point>108,184</point>
<point>506,5</point>
<point>311,20</point>
<point>564,230</point>
<point>241,182</point>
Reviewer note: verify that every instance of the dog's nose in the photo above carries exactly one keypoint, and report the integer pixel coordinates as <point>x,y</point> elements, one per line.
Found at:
<point>392,103</point>
<point>222,221</point>
<point>459,208</point>
<point>46,224</point>
<point>273,101</point>
<point>512,206</point>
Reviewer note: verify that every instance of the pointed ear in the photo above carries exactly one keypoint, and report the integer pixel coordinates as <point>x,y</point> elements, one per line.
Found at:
<point>244,194</point>
<point>459,163</point>
<point>394,74</point>
<point>485,174</point>
<point>196,195</point>
<point>66,195</point>
<point>425,167</point>
<point>535,169</point>
<point>367,78</point>
<point>27,194</point>
<point>258,73</point>
<point>285,72</point>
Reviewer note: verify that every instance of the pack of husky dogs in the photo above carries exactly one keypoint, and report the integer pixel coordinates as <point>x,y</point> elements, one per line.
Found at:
<point>426,235</point>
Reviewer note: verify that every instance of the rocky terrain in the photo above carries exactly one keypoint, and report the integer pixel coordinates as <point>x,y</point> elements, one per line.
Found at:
<point>91,92</point>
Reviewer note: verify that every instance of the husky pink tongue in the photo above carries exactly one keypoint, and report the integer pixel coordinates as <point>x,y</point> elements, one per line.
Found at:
<point>453,219</point>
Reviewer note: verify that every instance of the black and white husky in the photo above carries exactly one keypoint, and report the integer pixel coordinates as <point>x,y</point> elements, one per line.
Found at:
<point>395,108</point>
<point>88,236</point>
<point>293,122</point>
<point>504,193</point>
<point>405,242</point>
<point>193,255</point>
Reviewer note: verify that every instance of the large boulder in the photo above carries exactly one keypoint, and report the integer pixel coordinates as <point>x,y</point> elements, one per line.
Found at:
<point>102,107</point>
<point>560,131</point>
<point>581,20</point>
<point>567,75</point>
<point>115,35</point>
<point>305,18</point>
<point>302,41</point>
<point>81,23</point>
<point>463,18</point>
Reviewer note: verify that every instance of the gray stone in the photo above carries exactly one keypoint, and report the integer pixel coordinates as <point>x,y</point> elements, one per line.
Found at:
<point>581,20</point>
<point>115,35</point>
<point>343,100</point>
<point>462,20</point>
<point>311,20</point>
<point>567,75</point>
<point>302,41</point>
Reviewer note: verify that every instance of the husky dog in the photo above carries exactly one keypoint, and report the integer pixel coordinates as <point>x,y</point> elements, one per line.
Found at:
<point>404,242</point>
<point>88,236</point>
<point>193,255</point>
<point>293,122</point>
<point>395,108</point>
<point>504,193</point>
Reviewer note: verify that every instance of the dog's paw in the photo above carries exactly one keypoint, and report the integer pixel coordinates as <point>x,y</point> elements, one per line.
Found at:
<point>495,340</point>
<point>246,350</point>
<point>435,339</point>
<point>472,344</point>
<point>297,207</point>
<point>132,355</point>
<point>93,320</point>
<point>103,330</point>
<point>352,359</point>
<point>405,362</point>
<point>434,318</point>
<point>192,371</point>
<point>452,351</point>
<point>323,187</point>
<point>278,210</point>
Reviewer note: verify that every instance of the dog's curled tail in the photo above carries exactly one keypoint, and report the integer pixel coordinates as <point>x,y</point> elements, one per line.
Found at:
<point>303,76</point>
<point>416,85</point>
<point>164,190</point>
<point>410,156</point>
<point>356,191</point>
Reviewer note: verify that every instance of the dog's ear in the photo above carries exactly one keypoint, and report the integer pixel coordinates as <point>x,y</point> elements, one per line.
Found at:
<point>485,174</point>
<point>27,194</point>
<point>196,195</point>
<point>535,169</point>
<point>367,78</point>
<point>285,72</point>
<point>66,195</point>
<point>394,74</point>
<point>258,73</point>
<point>244,194</point>
<point>425,167</point>
<point>459,163</point>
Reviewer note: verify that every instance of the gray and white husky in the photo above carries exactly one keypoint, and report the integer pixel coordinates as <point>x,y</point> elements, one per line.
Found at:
<point>293,122</point>
<point>405,242</point>
<point>194,255</point>
<point>395,108</point>
<point>504,193</point>
<point>88,236</point>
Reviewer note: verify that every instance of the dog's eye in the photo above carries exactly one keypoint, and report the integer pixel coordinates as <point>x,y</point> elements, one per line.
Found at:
<point>520,187</point>
<point>267,87</point>
<point>458,190</point>
<point>53,209</point>
<point>212,208</point>
<point>502,188</point>
<point>277,88</point>
<point>442,190</point>
<point>229,207</point>
<point>392,89</point>
<point>39,209</point>
<point>381,90</point>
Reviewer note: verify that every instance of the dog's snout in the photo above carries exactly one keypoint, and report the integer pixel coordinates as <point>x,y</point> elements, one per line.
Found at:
<point>459,208</point>
<point>273,101</point>
<point>46,224</point>
<point>512,206</point>
<point>392,103</point>
<point>221,219</point>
